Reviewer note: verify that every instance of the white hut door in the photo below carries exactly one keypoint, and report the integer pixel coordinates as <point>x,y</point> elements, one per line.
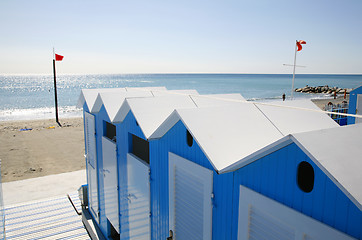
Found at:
<point>359,108</point>
<point>91,161</point>
<point>190,195</point>
<point>138,198</point>
<point>110,178</point>
<point>263,218</point>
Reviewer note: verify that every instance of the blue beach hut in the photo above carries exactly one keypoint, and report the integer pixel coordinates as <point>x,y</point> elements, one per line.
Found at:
<point>99,107</point>
<point>190,140</point>
<point>355,105</point>
<point>191,163</point>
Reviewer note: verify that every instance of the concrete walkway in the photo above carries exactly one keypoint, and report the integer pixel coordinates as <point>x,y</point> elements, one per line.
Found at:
<point>42,187</point>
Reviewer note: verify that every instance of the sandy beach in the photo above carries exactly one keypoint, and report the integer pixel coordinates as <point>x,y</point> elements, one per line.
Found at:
<point>44,150</point>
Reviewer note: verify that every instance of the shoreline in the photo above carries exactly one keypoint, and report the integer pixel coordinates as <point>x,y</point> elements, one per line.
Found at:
<point>44,150</point>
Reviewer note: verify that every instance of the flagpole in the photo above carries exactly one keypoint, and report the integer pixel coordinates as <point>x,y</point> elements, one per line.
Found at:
<point>55,92</point>
<point>295,62</point>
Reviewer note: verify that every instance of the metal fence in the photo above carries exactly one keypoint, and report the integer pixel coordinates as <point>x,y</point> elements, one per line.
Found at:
<point>337,108</point>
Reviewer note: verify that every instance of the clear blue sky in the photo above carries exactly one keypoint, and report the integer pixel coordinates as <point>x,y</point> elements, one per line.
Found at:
<point>187,36</point>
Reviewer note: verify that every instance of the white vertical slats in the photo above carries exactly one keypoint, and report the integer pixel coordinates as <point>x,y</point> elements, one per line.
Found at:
<point>138,198</point>
<point>91,164</point>
<point>262,226</point>
<point>110,181</point>
<point>188,205</point>
<point>90,139</point>
<point>190,191</point>
<point>263,218</point>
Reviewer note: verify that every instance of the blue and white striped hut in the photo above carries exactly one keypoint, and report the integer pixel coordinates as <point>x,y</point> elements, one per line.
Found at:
<point>201,167</point>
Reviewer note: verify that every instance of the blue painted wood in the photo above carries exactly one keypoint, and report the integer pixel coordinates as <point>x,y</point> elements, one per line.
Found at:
<point>354,221</point>
<point>326,202</point>
<point>352,105</point>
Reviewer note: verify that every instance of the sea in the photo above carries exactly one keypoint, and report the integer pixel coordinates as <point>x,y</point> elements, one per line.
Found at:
<point>26,97</point>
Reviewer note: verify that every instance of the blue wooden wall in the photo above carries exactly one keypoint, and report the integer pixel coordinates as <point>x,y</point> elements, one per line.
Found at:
<point>175,141</point>
<point>275,176</point>
<point>353,104</point>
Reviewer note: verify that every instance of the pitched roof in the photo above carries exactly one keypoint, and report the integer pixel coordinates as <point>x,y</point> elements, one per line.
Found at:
<point>112,101</point>
<point>150,113</point>
<point>288,117</point>
<point>338,152</point>
<point>232,135</point>
<point>89,96</point>
<point>229,133</point>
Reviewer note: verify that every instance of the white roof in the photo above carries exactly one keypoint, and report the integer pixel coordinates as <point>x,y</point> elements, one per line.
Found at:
<point>89,96</point>
<point>338,152</point>
<point>233,134</point>
<point>150,106</point>
<point>113,101</point>
<point>289,118</point>
<point>229,133</point>
<point>151,112</point>
<point>217,99</point>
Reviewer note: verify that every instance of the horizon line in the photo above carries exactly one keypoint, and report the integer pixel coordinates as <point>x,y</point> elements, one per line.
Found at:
<point>175,73</point>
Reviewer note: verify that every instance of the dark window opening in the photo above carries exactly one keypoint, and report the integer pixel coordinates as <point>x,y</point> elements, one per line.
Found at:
<point>113,232</point>
<point>305,177</point>
<point>189,138</point>
<point>110,131</point>
<point>141,148</point>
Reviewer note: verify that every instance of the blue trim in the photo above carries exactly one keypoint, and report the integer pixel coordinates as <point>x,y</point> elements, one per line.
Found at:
<point>353,104</point>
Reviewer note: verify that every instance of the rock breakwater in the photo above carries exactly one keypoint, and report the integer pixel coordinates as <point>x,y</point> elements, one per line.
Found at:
<point>323,89</point>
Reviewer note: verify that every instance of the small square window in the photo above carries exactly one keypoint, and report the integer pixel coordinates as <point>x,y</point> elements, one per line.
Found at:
<point>110,131</point>
<point>140,148</point>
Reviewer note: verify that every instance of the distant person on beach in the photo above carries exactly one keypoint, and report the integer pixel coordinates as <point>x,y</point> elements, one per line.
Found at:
<point>283,96</point>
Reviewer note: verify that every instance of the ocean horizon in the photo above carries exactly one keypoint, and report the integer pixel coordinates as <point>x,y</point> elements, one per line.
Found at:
<point>26,97</point>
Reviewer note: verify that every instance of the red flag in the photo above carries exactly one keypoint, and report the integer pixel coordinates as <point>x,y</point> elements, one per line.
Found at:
<point>299,44</point>
<point>58,57</point>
